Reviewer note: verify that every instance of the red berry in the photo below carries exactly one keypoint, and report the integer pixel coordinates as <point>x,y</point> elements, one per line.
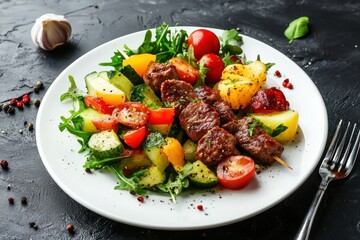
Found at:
<point>4,164</point>
<point>289,85</point>
<point>277,73</point>
<point>13,101</point>
<point>26,101</point>
<point>200,207</point>
<point>140,199</point>
<point>11,200</point>
<point>19,105</point>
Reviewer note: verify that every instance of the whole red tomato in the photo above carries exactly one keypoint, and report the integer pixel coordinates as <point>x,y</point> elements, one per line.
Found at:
<point>203,42</point>
<point>214,65</point>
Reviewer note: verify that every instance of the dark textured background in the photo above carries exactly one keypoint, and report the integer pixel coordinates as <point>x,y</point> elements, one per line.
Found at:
<point>329,54</point>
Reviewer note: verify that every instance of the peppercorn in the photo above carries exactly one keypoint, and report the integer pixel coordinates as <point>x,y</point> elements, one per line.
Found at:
<point>24,200</point>
<point>39,86</point>
<point>8,187</point>
<point>37,102</point>
<point>30,126</point>
<point>11,200</point>
<point>11,110</point>
<point>70,228</point>
<point>32,224</point>
<point>88,170</point>
<point>4,164</point>
<point>5,106</point>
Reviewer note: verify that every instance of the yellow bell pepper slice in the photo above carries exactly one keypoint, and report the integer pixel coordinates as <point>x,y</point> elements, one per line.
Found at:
<point>140,62</point>
<point>174,152</point>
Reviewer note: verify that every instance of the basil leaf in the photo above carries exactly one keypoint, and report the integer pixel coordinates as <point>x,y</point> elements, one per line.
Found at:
<point>297,28</point>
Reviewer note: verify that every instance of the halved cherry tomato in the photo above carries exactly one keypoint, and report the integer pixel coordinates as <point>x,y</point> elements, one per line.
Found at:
<point>105,124</point>
<point>161,116</point>
<point>203,42</point>
<point>268,101</point>
<point>131,114</point>
<point>134,138</point>
<point>215,67</point>
<point>186,71</point>
<point>235,172</point>
<point>98,104</point>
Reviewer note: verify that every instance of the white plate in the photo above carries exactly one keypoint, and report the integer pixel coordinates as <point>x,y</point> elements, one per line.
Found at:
<point>95,191</point>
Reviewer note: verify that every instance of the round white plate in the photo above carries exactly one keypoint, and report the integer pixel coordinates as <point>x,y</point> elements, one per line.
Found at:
<point>95,191</point>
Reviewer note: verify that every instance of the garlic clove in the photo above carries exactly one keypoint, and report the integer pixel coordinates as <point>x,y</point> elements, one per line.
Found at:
<point>50,31</point>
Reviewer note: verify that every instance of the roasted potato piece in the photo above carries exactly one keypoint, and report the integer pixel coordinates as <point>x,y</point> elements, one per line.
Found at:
<point>288,118</point>
<point>240,82</point>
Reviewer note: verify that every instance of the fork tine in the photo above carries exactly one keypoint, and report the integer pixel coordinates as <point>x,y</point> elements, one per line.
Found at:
<point>354,152</point>
<point>339,149</point>
<point>333,143</point>
<point>346,153</point>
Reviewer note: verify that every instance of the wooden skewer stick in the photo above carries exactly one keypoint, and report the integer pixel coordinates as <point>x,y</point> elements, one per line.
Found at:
<point>282,162</point>
<point>122,52</point>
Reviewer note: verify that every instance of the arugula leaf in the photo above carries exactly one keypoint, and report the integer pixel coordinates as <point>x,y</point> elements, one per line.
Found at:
<point>297,28</point>
<point>74,123</point>
<point>231,42</point>
<point>94,163</point>
<point>176,183</point>
<point>130,184</point>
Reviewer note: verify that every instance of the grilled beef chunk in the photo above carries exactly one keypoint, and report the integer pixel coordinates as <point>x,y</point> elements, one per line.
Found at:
<point>178,93</point>
<point>216,145</point>
<point>224,110</point>
<point>157,73</point>
<point>207,94</point>
<point>197,119</point>
<point>260,145</point>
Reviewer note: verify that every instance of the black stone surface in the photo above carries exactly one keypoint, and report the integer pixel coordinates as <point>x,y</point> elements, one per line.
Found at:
<point>330,55</point>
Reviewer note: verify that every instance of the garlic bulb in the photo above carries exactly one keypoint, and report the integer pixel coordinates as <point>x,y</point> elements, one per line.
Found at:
<point>50,31</point>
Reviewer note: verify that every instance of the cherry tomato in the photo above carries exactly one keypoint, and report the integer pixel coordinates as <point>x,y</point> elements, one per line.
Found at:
<point>98,104</point>
<point>161,116</point>
<point>186,71</point>
<point>134,138</point>
<point>215,67</point>
<point>269,100</point>
<point>203,42</point>
<point>235,172</point>
<point>105,124</point>
<point>131,114</point>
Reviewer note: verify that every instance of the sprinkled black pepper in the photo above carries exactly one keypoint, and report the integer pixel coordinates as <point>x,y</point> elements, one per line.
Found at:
<point>5,106</point>
<point>70,228</point>
<point>88,170</point>
<point>30,127</point>
<point>11,110</point>
<point>32,224</point>
<point>9,187</point>
<point>23,200</point>
<point>37,102</point>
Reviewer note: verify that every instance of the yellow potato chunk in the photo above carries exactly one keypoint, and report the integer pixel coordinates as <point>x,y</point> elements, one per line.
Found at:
<point>240,82</point>
<point>288,118</point>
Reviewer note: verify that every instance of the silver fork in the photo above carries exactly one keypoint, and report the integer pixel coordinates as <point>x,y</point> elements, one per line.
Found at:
<point>337,164</point>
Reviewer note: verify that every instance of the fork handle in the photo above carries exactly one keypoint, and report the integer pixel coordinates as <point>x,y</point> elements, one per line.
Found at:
<point>304,231</point>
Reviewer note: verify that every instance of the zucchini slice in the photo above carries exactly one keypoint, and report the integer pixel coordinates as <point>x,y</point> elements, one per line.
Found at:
<point>201,176</point>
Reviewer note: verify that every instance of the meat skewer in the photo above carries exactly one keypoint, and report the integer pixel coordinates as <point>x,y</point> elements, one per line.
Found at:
<point>259,144</point>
